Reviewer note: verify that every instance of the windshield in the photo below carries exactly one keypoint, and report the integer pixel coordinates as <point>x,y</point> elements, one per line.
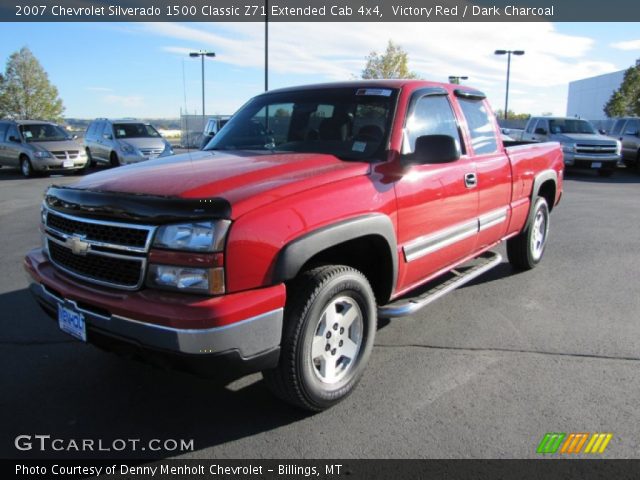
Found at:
<point>43,132</point>
<point>569,125</point>
<point>134,130</point>
<point>350,123</point>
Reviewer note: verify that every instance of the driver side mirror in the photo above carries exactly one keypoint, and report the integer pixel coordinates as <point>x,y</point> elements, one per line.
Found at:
<point>434,149</point>
<point>74,137</point>
<point>14,139</point>
<point>540,131</point>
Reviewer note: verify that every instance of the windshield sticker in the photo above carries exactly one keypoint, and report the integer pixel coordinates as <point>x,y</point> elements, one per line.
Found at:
<point>27,134</point>
<point>381,92</point>
<point>359,146</point>
<point>121,133</point>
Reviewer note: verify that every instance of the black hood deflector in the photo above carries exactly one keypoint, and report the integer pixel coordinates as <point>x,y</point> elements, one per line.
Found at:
<point>131,207</point>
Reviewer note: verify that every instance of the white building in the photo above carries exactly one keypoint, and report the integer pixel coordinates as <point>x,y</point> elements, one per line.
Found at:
<point>587,97</point>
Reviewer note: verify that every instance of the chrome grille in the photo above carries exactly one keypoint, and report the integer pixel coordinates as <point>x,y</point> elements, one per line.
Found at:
<point>66,154</point>
<point>106,253</point>
<point>151,152</point>
<point>596,149</point>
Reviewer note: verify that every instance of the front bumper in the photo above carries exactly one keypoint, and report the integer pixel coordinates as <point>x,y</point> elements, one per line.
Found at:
<point>246,329</point>
<point>55,164</point>
<point>583,160</point>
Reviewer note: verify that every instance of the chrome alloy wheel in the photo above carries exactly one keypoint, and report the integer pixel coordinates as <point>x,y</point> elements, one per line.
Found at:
<point>337,340</point>
<point>539,233</point>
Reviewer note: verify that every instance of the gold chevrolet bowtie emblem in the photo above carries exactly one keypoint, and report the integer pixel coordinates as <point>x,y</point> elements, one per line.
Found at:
<point>77,245</point>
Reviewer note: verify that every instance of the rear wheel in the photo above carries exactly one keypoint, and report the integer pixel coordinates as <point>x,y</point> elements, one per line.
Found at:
<point>525,250</point>
<point>114,160</point>
<point>330,323</point>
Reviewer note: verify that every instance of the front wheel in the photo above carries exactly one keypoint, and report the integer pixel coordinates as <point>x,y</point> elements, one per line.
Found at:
<point>525,250</point>
<point>330,325</point>
<point>114,160</point>
<point>25,167</point>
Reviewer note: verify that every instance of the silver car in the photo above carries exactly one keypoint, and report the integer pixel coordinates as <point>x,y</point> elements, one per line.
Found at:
<point>120,142</point>
<point>36,146</point>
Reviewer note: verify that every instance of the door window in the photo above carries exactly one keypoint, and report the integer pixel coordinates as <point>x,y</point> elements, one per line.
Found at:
<point>432,115</point>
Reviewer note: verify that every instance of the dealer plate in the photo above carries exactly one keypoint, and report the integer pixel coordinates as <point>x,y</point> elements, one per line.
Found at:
<point>596,164</point>
<point>72,322</point>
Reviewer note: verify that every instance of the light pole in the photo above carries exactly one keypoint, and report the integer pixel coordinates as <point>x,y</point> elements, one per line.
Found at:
<point>266,45</point>
<point>455,79</point>
<point>202,54</point>
<point>508,54</point>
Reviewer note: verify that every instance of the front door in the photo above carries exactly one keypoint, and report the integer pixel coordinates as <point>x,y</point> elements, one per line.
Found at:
<point>437,203</point>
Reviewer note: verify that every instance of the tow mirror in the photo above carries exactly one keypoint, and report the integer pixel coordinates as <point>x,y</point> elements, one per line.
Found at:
<point>433,149</point>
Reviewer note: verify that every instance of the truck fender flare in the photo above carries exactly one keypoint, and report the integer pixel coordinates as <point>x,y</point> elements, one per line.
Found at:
<point>537,183</point>
<point>296,253</point>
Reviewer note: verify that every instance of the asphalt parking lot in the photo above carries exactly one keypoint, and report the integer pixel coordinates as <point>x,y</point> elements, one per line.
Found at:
<point>482,373</point>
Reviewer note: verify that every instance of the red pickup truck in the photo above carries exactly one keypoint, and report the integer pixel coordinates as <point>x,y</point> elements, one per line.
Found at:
<point>313,212</point>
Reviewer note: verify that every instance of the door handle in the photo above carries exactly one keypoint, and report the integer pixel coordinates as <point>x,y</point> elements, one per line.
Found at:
<point>470,180</point>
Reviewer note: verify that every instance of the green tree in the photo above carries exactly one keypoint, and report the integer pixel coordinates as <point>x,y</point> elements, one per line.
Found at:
<point>25,91</point>
<point>626,100</point>
<point>512,115</point>
<point>393,63</point>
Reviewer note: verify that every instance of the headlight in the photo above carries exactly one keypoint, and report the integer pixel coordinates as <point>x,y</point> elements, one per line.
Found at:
<point>126,148</point>
<point>187,279</point>
<point>206,236</point>
<point>618,147</point>
<point>43,214</point>
<point>570,148</point>
<point>41,154</point>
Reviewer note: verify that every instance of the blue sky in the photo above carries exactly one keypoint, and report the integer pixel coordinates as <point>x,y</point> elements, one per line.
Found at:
<point>137,69</point>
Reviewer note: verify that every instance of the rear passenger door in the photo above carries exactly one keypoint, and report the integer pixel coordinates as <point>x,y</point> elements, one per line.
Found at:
<point>12,149</point>
<point>493,170</point>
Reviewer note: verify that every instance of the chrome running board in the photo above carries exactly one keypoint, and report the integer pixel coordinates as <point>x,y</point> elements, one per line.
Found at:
<point>457,277</point>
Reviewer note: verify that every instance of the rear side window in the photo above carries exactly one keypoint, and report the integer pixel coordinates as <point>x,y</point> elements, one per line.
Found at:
<point>91,130</point>
<point>3,130</point>
<point>483,136</point>
<point>432,115</point>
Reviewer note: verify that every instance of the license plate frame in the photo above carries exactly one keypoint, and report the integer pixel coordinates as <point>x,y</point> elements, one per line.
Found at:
<point>596,164</point>
<point>72,322</point>
<point>68,163</point>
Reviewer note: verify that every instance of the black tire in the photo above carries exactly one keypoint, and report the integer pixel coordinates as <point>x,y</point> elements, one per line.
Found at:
<point>317,298</point>
<point>25,167</point>
<point>114,160</point>
<point>523,253</point>
<point>90,161</point>
<point>606,172</point>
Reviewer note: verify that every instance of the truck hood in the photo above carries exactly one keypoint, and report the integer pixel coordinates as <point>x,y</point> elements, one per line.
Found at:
<point>245,179</point>
<point>582,138</point>
<point>58,146</point>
